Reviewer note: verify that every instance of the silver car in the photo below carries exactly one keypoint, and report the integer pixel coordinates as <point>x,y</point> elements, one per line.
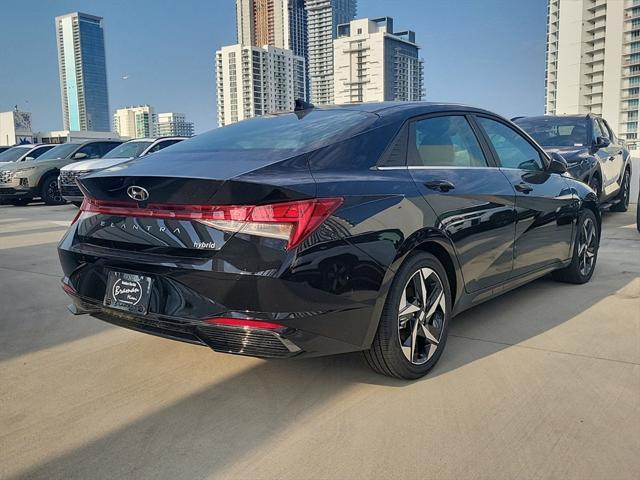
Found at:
<point>122,153</point>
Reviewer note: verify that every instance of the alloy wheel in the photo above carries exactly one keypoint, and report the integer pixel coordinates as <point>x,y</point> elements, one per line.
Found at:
<point>421,316</point>
<point>587,247</point>
<point>53,192</point>
<point>626,185</point>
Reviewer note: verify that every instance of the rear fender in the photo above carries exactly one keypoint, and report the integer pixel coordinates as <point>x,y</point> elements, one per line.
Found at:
<point>422,240</point>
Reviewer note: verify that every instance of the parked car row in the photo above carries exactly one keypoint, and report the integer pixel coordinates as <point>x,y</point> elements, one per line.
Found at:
<point>327,230</point>
<point>48,172</point>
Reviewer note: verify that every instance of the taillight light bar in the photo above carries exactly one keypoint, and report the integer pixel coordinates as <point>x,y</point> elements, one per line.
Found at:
<point>290,221</point>
<point>243,322</point>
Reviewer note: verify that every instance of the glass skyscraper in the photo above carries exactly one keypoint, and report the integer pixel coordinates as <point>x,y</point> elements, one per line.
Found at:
<point>83,72</point>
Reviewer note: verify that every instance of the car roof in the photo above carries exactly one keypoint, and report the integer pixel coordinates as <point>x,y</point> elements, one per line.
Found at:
<point>395,111</point>
<point>544,117</point>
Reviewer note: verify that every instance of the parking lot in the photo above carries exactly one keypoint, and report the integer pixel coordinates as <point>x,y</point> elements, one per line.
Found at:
<point>543,382</point>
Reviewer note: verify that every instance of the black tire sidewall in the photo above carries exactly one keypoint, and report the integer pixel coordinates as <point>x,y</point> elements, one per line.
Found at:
<point>576,260</point>
<point>389,320</point>
<point>45,194</point>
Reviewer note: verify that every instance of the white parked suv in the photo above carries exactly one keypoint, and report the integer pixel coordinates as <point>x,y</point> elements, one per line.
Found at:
<point>122,153</point>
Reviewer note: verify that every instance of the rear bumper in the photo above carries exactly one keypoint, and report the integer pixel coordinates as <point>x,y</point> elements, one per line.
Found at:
<point>256,342</point>
<point>321,314</point>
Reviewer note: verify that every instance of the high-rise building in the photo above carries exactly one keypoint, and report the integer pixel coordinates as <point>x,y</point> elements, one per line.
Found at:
<point>372,63</point>
<point>171,124</point>
<point>593,61</point>
<point>257,80</point>
<point>323,18</point>
<point>279,23</point>
<point>135,122</point>
<point>83,72</point>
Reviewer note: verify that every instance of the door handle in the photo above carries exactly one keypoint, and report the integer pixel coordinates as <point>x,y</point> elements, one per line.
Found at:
<point>523,187</point>
<point>441,185</point>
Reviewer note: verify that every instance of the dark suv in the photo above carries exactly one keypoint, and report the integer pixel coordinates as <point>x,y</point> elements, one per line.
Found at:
<point>594,154</point>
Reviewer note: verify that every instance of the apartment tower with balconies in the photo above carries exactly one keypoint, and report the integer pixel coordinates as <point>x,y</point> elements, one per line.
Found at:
<point>593,61</point>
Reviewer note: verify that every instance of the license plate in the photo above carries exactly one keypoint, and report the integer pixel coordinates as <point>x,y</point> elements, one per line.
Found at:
<point>128,291</point>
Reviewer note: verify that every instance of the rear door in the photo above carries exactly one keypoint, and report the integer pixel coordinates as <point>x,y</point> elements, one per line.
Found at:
<point>615,153</point>
<point>473,200</point>
<point>545,205</point>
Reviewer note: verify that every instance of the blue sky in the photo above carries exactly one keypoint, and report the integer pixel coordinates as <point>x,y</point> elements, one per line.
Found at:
<point>488,53</point>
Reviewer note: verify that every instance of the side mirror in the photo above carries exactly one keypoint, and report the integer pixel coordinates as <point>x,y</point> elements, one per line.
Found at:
<point>79,156</point>
<point>28,159</point>
<point>558,164</point>
<point>601,142</point>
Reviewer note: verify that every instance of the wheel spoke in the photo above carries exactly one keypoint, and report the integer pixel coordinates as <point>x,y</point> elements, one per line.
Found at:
<point>414,337</point>
<point>431,338</point>
<point>434,306</point>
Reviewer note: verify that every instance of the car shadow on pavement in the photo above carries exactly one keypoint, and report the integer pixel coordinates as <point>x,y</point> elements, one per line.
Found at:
<point>225,423</point>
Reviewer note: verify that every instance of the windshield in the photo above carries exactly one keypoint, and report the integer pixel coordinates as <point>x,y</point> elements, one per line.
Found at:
<point>13,154</point>
<point>292,132</point>
<point>128,150</point>
<point>556,131</point>
<point>59,152</point>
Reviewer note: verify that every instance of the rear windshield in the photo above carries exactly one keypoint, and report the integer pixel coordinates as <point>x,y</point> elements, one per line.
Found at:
<point>13,154</point>
<point>291,132</point>
<point>128,150</point>
<point>556,131</point>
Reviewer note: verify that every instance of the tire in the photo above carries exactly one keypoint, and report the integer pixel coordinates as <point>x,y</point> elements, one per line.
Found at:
<point>577,271</point>
<point>20,202</point>
<point>595,185</point>
<point>638,213</point>
<point>623,195</point>
<point>387,356</point>
<point>49,191</point>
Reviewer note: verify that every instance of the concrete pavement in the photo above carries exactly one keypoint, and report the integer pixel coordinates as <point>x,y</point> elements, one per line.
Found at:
<point>543,382</point>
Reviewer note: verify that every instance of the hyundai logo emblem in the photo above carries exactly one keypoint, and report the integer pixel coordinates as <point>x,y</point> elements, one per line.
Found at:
<point>139,194</point>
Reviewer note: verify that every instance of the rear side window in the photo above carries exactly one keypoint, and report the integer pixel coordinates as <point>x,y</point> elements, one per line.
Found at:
<point>447,141</point>
<point>161,145</point>
<point>36,152</point>
<point>514,151</point>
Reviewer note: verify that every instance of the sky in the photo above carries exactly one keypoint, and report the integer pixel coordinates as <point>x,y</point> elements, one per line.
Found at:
<point>486,53</point>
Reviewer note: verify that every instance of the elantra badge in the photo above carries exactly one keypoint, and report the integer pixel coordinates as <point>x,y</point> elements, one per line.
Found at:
<point>139,194</point>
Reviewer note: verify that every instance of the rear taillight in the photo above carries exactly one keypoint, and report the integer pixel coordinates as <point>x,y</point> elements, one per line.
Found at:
<point>290,221</point>
<point>243,322</point>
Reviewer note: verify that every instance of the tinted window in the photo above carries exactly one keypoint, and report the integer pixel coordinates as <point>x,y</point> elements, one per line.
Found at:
<point>447,141</point>
<point>612,135</point>
<point>514,151</point>
<point>292,132</point>
<point>556,131</point>
<point>13,154</point>
<point>36,152</point>
<point>131,149</point>
<point>106,147</point>
<point>59,152</point>
<point>597,129</point>
<point>91,150</point>
<point>163,144</point>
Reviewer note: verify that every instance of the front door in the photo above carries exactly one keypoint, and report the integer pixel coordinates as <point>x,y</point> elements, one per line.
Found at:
<point>546,207</point>
<point>472,199</point>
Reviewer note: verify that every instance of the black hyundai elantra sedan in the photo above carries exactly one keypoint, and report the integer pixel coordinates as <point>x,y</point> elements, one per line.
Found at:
<point>328,230</point>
